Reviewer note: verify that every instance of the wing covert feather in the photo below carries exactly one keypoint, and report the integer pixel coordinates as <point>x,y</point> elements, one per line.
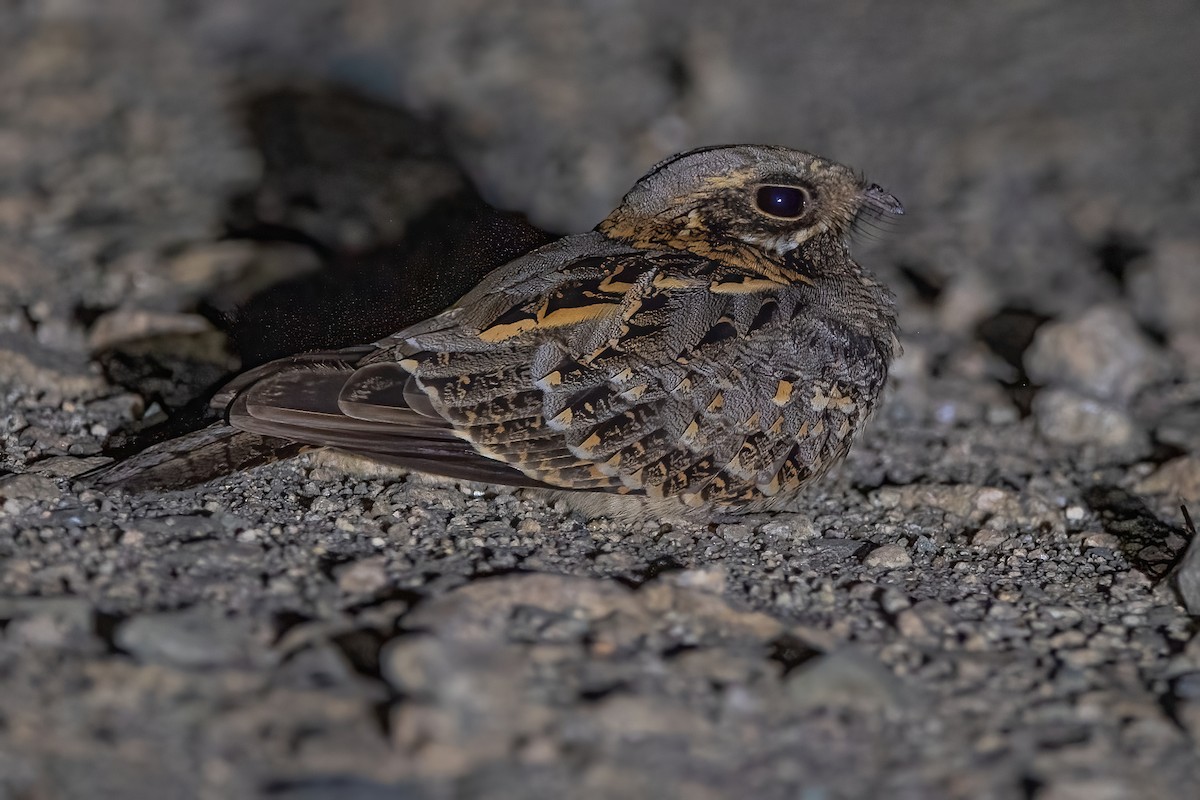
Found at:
<point>658,373</point>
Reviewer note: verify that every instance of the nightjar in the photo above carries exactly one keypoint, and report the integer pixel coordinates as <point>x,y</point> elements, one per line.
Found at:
<point>710,344</point>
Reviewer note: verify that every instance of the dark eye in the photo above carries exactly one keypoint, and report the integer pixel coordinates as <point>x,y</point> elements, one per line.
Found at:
<point>781,201</point>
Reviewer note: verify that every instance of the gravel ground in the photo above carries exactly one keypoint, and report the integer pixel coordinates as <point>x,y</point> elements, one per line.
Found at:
<point>990,600</point>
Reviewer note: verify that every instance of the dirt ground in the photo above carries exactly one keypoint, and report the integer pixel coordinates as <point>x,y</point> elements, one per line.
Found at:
<point>990,600</point>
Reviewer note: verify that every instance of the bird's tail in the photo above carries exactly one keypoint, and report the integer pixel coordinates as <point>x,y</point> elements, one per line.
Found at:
<point>192,459</point>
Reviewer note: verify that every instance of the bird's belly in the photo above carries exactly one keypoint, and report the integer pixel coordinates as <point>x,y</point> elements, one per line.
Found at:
<point>803,425</point>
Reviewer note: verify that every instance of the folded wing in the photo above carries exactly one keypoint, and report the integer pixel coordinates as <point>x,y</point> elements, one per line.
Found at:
<point>643,373</point>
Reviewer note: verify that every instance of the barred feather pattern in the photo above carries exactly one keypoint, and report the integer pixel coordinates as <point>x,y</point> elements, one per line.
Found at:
<point>692,348</point>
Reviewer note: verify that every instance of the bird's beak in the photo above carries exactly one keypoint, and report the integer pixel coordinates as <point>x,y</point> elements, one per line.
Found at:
<point>881,201</point>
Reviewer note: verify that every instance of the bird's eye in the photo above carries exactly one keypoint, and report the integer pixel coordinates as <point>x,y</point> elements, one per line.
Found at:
<point>786,202</point>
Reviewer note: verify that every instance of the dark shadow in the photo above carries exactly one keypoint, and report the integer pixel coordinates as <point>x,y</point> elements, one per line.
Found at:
<point>1149,544</point>
<point>1116,252</point>
<point>1009,333</point>
<point>362,298</point>
<point>395,226</point>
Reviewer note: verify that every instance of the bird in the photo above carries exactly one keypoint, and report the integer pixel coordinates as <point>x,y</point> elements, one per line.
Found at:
<point>711,345</point>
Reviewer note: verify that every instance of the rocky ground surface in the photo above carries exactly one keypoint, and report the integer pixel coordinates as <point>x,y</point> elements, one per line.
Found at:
<point>990,600</point>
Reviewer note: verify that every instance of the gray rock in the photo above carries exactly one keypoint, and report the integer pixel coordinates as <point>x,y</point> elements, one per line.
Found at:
<point>926,622</point>
<point>1164,287</point>
<point>996,508</point>
<point>1187,576</point>
<point>53,623</point>
<point>67,466</point>
<point>29,487</point>
<point>1066,417</point>
<point>1102,354</point>
<point>27,362</point>
<point>195,638</point>
<point>365,576</point>
<point>1178,479</point>
<point>888,556</point>
<point>126,325</point>
<point>796,527</point>
<point>174,527</point>
<point>847,679</point>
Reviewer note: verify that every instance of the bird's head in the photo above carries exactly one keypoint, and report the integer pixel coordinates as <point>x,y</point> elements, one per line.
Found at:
<point>744,203</point>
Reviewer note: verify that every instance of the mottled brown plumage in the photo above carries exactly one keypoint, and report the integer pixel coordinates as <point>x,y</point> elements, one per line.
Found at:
<point>711,344</point>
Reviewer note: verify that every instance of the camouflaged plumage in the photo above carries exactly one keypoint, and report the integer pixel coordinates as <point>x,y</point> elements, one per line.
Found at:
<point>693,348</point>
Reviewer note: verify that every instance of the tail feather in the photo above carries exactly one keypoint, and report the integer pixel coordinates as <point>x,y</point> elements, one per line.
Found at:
<point>193,459</point>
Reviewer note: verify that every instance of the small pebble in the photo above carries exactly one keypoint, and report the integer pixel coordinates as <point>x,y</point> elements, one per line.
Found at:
<point>363,577</point>
<point>29,487</point>
<point>1101,540</point>
<point>988,539</point>
<point>889,556</point>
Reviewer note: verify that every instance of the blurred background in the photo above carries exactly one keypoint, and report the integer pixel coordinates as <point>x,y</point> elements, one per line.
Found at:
<point>1024,137</point>
<point>153,156</point>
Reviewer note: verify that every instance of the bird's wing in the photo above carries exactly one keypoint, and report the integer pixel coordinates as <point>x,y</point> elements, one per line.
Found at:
<point>298,399</point>
<point>648,373</point>
<point>191,459</point>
